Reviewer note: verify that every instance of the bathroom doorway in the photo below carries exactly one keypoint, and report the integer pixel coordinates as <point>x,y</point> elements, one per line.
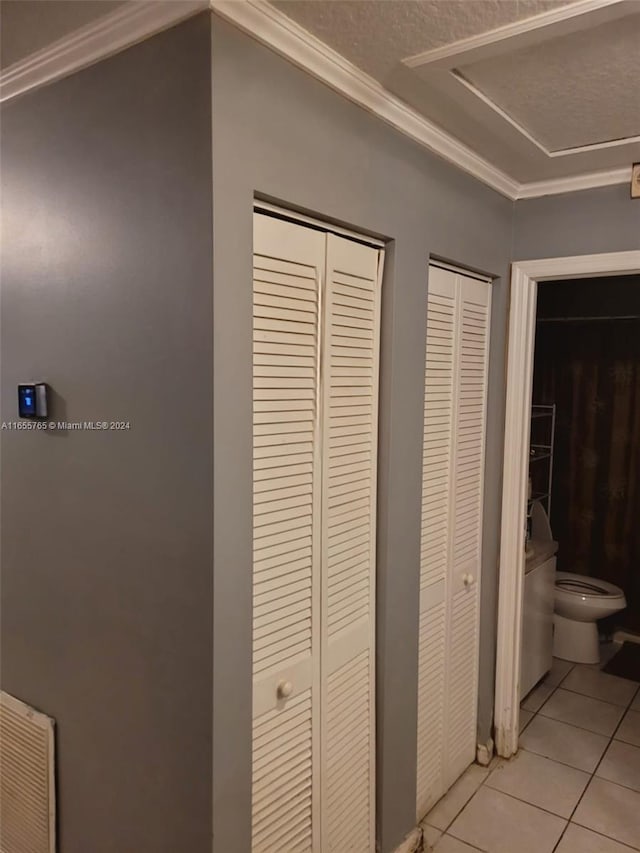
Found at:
<point>587,364</point>
<point>520,363</point>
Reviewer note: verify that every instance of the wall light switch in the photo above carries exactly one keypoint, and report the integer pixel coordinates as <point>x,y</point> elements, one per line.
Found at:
<point>32,400</point>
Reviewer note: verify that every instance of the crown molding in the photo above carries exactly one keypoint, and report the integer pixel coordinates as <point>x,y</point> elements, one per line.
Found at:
<point>103,37</point>
<point>136,21</point>
<point>270,26</point>
<point>575,183</point>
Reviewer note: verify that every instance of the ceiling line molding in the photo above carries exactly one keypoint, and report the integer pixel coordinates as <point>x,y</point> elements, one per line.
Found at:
<point>517,34</point>
<point>452,59</point>
<point>103,37</point>
<point>460,80</point>
<point>552,153</point>
<point>135,22</point>
<point>575,183</point>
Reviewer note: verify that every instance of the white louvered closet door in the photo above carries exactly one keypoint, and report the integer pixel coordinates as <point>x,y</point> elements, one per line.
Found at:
<point>350,399</point>
<point>473,322</point>
<point>453,478</point>
<point>437,460</point>
<point>315,380</point>
<point>288,266</point>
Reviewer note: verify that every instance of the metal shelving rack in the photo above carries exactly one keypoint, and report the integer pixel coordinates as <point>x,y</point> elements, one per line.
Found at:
<point>540,452</point>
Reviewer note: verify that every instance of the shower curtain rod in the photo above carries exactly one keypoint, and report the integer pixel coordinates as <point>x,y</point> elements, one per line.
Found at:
<point>585,319</point>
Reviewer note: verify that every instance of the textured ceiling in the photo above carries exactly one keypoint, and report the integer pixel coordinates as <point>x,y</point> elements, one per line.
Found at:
<point>377,35</point>
<point>574,90</point>
<point>566,91</point>
<point>27,26</point>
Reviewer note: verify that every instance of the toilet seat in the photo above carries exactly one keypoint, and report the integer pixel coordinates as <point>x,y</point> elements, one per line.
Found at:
<point>586,599</point>
<point>585,586</point>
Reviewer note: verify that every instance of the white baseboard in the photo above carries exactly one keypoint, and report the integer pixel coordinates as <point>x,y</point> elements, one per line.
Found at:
<point>626,637</point>
<point>412,843</point>
<point>484,752</point>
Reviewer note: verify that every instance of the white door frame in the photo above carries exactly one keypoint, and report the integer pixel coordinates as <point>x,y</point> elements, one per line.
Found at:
<point>525,276</point>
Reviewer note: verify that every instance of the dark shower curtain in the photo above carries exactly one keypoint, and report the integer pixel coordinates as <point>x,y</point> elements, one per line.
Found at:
<point>591,370</point>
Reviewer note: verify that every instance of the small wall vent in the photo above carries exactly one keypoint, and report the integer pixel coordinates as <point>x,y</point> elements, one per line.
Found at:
<point>27,779</point>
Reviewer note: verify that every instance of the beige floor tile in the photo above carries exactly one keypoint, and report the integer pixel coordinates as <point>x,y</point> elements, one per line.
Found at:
<point>536,699</point>
<point>448,844</point>
<point>564,743</point>
<point>611,810</point>
<point>430,836</point>
<point>498,823</point>
<point>600,685</point>
<point>621,764</point>
<point>629,730</point>
<point>635,705</point>
<point>457,797</point>
<point>540,782</point>
<point>525,719</point>
<point>559,670</point>
<point>577,839</point>
<point>583,711</point>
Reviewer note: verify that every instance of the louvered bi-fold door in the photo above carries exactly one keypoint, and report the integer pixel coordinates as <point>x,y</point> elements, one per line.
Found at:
<point>350,398</point>
<point>462,645</point>
<point>437,457</point>
<point>288,265</point>
<point>315,375</point>
<point>458,322</point>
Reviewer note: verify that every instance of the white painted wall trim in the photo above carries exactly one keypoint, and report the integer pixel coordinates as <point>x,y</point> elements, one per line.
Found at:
<point>485,752</point>
<point>587,181</point>
<point>517,34</point>
<point>412,843</point>
<point>295,216</point>
<point>522,318</point>
<point>103,37</point>
<point>136,21</point>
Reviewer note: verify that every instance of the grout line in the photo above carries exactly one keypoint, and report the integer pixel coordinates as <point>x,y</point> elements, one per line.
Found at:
<point>593,775</point>
<point>462,808</point>
<point>582,728</point>
<point>563,763</point>
<point>623,708</point>
<point>618,784</point>
<point>532,805</point>
<point>623,844</point>
<point>473,846</point>
<point>590,774</point>
<point>587,696</point>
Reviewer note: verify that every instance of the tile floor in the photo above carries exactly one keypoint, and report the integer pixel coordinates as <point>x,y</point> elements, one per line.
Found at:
<point>574,786</point>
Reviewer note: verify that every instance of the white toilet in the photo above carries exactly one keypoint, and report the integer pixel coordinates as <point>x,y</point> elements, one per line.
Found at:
<point>579,601</point>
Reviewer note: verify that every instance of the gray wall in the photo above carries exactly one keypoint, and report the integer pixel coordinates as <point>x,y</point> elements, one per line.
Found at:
<point>106,538</point>
<point>279,133</point>
<point>580,223</point>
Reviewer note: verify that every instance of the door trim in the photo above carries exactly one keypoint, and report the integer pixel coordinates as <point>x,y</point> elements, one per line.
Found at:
<point>525,276</point>
<point>323,225</point>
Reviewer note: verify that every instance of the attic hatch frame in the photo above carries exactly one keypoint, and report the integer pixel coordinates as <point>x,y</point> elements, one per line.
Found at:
<point>525,276</point>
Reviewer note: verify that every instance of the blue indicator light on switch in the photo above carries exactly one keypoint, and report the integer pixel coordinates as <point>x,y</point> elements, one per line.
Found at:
<point>32,400</point>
